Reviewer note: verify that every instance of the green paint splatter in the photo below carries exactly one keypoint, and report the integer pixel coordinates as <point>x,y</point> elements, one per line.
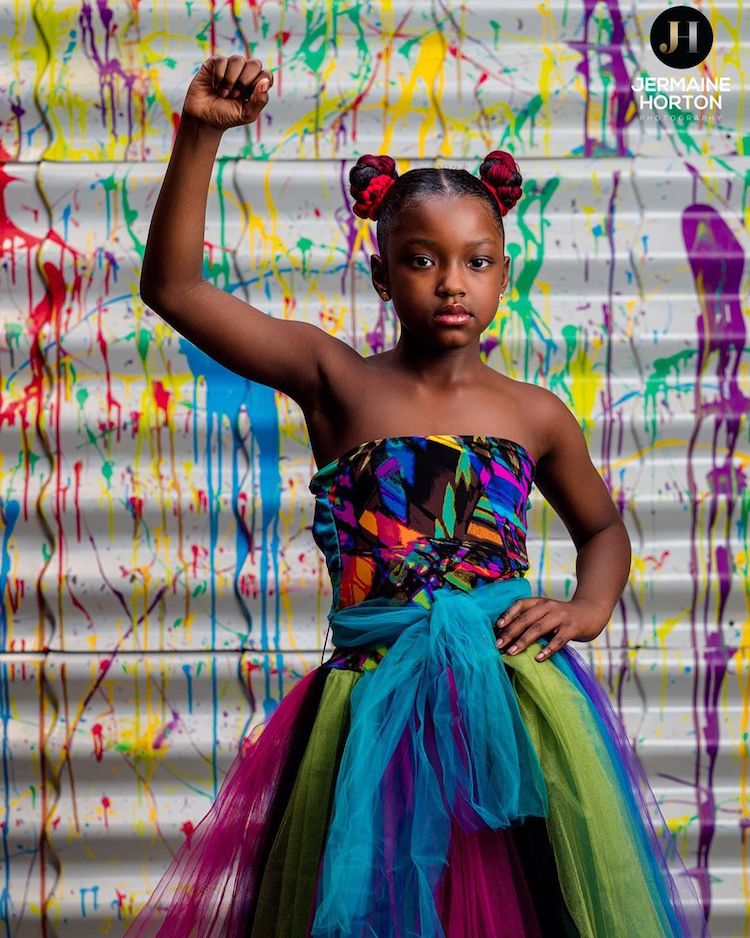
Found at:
<point>658,383</point>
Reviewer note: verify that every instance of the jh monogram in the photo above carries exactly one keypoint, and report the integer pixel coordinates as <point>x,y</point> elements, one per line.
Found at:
<point>674,37</point>
<point>681,37</point>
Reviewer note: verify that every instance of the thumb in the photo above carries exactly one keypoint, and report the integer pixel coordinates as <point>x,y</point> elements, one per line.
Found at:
<point>257,99</point>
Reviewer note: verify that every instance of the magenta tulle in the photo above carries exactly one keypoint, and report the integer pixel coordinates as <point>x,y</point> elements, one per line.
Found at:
<point>211,884</point>
<point>484,891</point>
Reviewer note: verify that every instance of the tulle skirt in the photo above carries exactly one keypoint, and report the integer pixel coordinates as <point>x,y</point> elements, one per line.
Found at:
<point>584,852</point>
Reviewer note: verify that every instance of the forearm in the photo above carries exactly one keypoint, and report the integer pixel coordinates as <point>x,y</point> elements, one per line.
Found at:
<point>173,259</point>
<point>603,568</point>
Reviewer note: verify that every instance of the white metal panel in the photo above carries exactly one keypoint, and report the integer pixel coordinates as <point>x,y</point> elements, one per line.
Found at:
<point>161,589</point>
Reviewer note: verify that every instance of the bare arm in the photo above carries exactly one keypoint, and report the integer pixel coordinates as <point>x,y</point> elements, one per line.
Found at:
<point>570,482</point>
<point>281,353</point>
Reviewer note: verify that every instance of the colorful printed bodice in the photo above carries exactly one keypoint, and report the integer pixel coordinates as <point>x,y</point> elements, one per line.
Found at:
<point>400,516</point>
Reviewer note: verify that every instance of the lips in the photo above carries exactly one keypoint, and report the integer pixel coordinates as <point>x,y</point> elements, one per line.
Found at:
<point>453,309</point>
<point>453,314</point>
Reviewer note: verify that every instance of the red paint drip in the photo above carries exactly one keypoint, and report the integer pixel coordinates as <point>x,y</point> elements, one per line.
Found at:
<point>162,398</point>
<point>105,805</point>
<point>96,732</point>
<point>187,829</point>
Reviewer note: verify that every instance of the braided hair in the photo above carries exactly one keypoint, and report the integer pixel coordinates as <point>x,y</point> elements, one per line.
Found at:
<point>381,194</point>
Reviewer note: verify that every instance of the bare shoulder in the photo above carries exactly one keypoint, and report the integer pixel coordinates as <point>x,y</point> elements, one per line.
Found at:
<point>551,424</point>
<point>546,411</point>
<point>528,406</point>
<point>565,473</point>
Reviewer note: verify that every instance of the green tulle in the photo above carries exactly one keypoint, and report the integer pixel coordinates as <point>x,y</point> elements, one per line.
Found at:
<point>602,876</point>
<point>288,887</point>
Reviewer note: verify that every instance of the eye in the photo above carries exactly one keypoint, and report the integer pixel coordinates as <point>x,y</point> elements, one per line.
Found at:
<point>423,257</point>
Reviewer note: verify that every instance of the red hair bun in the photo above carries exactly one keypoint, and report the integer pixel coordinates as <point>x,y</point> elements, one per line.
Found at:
<point>369,182</point>
<point>500,173</point>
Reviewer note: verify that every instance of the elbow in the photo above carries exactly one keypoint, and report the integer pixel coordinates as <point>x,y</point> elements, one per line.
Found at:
<point>153,298</point>
<point>614,530</point>
<point>162,300</point>
<point>145,293</point>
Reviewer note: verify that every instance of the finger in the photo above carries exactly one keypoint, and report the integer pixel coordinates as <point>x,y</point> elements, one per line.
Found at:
<point>235,65</point>
<point>251,72</point>
<point>553,645</point>
<point>517,607</point>
<point>546,623</point>
<point>219,69</point>
<point>514,629</point>
<point>250,75</point>
<point>520,620</point>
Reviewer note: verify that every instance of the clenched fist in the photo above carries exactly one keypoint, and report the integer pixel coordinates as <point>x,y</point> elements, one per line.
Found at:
<point>228,92</point>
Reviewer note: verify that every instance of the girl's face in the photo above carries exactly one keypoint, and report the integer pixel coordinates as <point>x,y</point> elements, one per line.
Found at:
<point>445,250</point>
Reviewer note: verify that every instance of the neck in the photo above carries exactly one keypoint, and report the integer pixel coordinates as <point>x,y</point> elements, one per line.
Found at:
<point>441,368</point>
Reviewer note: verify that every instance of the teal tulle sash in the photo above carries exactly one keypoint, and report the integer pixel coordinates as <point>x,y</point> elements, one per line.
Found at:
<point>436,724</point>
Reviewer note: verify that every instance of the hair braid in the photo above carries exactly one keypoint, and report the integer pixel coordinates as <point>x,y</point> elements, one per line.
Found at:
<point>381,194</point>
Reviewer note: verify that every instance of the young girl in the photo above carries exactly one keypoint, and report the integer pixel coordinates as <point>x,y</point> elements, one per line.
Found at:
<point>454,768</point>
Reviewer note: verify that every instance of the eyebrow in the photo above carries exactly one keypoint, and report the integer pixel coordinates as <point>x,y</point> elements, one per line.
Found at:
<point>469,244</point>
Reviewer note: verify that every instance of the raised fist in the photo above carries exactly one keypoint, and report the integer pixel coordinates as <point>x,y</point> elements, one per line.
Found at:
<point>228,92</point>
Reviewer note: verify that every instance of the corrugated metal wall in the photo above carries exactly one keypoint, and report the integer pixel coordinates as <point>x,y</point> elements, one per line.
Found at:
<point>161,590</point>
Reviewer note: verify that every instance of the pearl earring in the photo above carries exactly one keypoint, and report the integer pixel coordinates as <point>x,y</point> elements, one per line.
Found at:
<point>501,296</point>
<point>384,295</point>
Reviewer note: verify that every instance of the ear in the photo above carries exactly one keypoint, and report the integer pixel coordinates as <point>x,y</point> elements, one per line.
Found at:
<point>506,269</point>
<point>379,273</point>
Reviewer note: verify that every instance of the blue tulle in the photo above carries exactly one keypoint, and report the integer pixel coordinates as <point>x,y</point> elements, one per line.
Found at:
<point>470,758</point>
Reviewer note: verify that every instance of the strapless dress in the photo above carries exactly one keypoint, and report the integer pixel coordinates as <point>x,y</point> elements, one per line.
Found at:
<point>420,782</point>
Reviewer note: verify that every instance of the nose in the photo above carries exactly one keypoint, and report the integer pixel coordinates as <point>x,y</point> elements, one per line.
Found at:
<point>451,281</point>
